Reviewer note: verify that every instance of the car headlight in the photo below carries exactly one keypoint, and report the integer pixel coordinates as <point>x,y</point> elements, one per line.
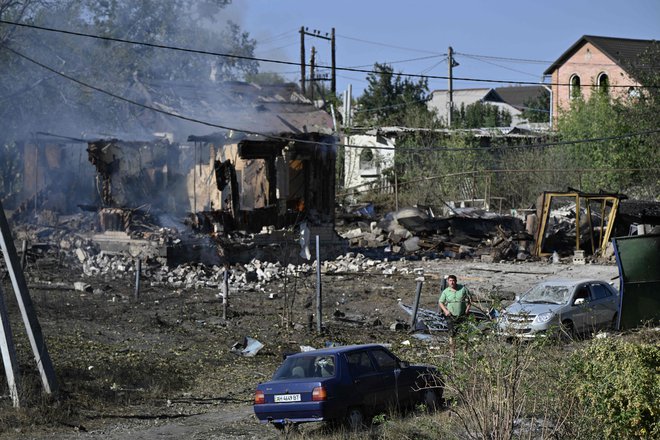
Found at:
<point>543,317</point>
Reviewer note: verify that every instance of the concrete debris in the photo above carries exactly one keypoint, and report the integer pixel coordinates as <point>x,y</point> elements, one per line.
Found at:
<point>82,287</point>
<point>468,233</point>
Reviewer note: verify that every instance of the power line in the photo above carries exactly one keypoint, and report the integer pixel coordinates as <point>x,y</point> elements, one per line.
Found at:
<point>376,43</point>
<point>499,65</point>
<point>291,63</point>
<point>133,102</point>
<point>515,60</point>
<point>270,136</point>
<point>407,60</point>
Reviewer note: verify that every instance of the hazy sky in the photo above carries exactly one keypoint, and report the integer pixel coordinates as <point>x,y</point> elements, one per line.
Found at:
<point>505,40</point>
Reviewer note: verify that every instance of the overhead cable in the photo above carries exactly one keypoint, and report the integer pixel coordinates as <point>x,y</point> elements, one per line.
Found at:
<point>291,63</point>
<point>270,136</point>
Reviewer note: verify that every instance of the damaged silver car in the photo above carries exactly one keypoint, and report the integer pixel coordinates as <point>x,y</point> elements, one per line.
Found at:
<point>566,308</point>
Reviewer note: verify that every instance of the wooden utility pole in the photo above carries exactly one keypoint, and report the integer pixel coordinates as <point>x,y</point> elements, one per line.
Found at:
<point>333,81</point>
<point>312,77</point>
<point>317,34</point>
<point>302,59</point>
<point>450,104</point>
<point>27,309</point>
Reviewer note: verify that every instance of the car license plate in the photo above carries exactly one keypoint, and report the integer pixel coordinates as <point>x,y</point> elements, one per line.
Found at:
<point>280,398</point>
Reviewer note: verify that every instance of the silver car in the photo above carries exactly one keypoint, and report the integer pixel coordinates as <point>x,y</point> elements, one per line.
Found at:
<point>562,307</point>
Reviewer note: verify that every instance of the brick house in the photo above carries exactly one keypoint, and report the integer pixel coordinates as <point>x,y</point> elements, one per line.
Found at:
<point>595,63</point>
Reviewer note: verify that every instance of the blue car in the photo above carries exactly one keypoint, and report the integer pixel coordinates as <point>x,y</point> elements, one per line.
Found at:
<point>344,384</point>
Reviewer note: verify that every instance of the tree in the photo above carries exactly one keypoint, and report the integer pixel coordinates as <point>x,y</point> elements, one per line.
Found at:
<point>480,115</point>
<point>537,109</point>
<point>265,78</point>
<point>622,162</point>
<point>43,100</point>
<point>391,99</point>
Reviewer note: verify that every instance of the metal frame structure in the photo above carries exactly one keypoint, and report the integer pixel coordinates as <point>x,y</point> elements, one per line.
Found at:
<point>605,227</point>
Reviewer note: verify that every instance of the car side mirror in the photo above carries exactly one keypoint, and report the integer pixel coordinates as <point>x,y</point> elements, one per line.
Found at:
<point>579,301</point>
<point>404,364</point>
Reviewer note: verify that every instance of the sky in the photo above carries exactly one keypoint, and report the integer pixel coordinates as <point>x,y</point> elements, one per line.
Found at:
<point>500,40</point>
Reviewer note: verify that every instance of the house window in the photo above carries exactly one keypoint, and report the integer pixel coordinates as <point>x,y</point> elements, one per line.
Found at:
<point>574,87</point>
<point>603,83</point>
<point>366,159</point>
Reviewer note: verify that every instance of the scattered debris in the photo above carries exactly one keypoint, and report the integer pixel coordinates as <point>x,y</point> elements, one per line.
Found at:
<point>435,321</point>
<point>249,347</point>
<point>468,233</point>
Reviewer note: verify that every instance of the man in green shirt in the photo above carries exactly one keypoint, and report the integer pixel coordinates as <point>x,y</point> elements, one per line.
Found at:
<point>455,304</point>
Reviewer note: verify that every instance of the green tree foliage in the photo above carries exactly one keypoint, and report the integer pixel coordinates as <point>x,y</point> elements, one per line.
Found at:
<point>390,99</point>
<point>617,163</point>
<point>480,115</point>
<point>43,100</point>
<point>537,109</point>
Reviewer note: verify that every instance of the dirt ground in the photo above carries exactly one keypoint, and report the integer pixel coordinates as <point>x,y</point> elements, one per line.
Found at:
<point>161,366</point>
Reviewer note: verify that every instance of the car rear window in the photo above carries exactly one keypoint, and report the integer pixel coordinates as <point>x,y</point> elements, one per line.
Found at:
<point>301,367</point>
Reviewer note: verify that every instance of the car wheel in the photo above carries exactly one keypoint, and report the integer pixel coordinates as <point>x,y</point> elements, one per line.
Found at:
<point>279,426</point>
<point>354,418</point>
<point>430,398</point>
<point>615,319</point>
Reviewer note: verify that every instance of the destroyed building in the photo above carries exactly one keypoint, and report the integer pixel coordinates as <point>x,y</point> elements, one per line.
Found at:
<point>50,169</point>
<point>249,188</point>
<point>267,186</point>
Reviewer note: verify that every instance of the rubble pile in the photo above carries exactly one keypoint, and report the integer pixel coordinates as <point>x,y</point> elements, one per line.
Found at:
<point>78,250</point>
<point>469,233</point>
<point>251,276</point>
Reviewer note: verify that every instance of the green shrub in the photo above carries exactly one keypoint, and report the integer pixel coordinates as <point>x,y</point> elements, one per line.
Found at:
<point>617,385</point>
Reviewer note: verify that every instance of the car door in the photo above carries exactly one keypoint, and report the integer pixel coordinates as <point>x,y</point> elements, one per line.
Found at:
<point>603,305</point>
<point>396,387</point>
<point>367,381</point>
<point>580,312</point>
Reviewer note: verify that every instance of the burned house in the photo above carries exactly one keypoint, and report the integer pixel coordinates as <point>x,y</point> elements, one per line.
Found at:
<point>257,182</point>
<point>137,174</point>
<point>250,187</point>
<point>50,169</point>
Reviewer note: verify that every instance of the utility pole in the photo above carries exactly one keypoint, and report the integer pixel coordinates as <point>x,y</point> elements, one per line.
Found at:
<point>450,105</point>
<point>312,76</point>
<point>333,82</point>
<point>317,34</point>
<point>302,59</point>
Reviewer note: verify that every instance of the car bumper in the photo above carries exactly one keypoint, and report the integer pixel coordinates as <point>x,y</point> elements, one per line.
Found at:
<point>298,412</point>
<point>524,331</point>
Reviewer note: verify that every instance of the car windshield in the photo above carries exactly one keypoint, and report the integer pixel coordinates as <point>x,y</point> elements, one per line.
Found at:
<point>311,366</point>
<point>546,294</point>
